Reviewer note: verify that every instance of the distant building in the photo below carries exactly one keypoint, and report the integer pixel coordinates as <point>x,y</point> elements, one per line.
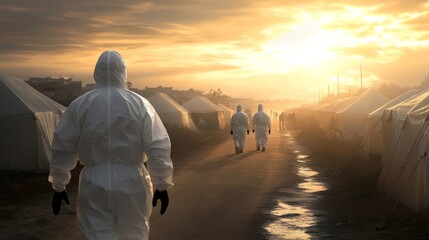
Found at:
<point>60,89</point>
<point>90,86</point>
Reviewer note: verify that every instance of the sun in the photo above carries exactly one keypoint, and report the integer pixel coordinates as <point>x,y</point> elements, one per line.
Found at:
<point>305,44</point>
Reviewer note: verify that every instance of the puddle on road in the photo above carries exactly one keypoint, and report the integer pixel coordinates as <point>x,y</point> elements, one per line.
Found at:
<point>301,158</point>
<point>306,172</point>
<point>291,223</point>
<point>312,187</point>
<point>292,216</point>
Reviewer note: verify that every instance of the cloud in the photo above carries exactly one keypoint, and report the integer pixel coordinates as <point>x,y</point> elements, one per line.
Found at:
<point>363,51</point>
<point>198,42</point>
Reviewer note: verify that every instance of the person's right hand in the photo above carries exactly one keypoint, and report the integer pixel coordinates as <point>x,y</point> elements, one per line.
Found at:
<point>163,196</point>
<point>232,132</point>
<point>56,201</point>
<point>247,131</point>
<point>253,131</point>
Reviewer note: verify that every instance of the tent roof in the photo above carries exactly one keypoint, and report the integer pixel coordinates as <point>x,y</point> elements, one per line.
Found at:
<point>199,104</point>
<point>406,106</point>
<point>337,105</point>
<point>365,103</point>
<point>225,108</point>
<point>16,96</point>
<point>164,103</point>
<point>401,98</point>
<point>417,104</point>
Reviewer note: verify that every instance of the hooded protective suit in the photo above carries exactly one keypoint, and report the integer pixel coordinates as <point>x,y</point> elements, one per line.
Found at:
<point>261,124</point>
<point>240,126</point>
<point>109,129</point>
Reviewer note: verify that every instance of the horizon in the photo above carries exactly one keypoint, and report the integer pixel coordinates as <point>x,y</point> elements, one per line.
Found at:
<point>269,49</point>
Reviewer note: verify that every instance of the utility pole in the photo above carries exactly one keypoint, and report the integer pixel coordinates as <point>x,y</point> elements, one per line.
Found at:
<point>361,76</point>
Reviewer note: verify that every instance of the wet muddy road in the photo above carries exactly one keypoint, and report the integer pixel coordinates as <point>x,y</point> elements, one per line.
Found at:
<point>253,195</point>
<point>218,194</point>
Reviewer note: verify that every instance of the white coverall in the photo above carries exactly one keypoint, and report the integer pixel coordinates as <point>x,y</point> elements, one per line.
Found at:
<point>109,129</point>
<point>261,124</point>
<point>240,126</point>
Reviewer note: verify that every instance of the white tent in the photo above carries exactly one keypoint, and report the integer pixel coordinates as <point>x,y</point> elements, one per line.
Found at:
<point>326,112</point>
<point>373,143</point>
<point>170,112</point>
<point>405,167</point>
<point>349,123</point>
<point>28,120</point>
<point>205,114</point>
<point>227,111</point>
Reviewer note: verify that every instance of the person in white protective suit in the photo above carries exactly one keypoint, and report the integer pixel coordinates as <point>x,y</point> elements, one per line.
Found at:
<point>262,125</point>
<point>239,128</point>
<point>109,130</point>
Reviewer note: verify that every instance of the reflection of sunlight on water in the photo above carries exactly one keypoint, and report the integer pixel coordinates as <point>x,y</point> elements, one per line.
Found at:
<point>311,187</point>
<point>291,222</point>
<point>306,172</point>
<point>292,217</point>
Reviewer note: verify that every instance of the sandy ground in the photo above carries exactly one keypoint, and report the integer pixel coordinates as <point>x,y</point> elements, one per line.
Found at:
<point>255,195</point>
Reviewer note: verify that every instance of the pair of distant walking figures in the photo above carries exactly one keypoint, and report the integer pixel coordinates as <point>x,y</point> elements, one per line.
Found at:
<point>261,124</point>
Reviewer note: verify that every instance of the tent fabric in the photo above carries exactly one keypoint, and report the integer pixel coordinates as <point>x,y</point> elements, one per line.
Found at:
<point>29,119</point>
<point>33,99</point>
<point>170,112</point>
<point>349,123</point>
<point>326,112</point>
<point>206,114</point>
<point>405,152</point>
<point>373,143</point>
<point>227,111</point>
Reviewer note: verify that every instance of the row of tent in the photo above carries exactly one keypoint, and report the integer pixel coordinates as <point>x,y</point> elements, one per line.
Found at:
<point>28,120</point>
<point>396,129</point>
<point>197,113</point>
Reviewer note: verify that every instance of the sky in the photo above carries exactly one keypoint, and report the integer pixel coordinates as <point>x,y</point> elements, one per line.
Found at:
<point>269,49</point>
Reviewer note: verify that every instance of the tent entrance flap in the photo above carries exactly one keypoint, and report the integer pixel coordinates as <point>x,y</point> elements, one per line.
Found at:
<point>209,121</point>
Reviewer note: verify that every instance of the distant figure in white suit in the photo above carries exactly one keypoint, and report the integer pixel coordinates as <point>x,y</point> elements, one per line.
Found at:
<point>239,127</point>
<point>262,125</point>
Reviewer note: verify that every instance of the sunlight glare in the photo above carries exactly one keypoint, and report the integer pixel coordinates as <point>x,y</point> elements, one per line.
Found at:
<point>304,45</point>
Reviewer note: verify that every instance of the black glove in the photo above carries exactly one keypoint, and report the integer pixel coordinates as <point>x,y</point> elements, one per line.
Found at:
<point>163,196</point>
<point>56,201</point>
<point>253,131</point>
<point>231,132</point>
<point>247,131</point>
<point>269,131</point>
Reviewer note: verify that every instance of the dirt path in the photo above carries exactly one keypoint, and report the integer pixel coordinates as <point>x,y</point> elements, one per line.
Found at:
<point>223,195</point>
<point>218,195</point>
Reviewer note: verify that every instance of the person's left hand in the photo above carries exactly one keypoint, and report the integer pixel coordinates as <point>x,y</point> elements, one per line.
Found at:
<point>248,131</point>
<point>232,132</point>
<point>163,196</point>
<point>269,131</point>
